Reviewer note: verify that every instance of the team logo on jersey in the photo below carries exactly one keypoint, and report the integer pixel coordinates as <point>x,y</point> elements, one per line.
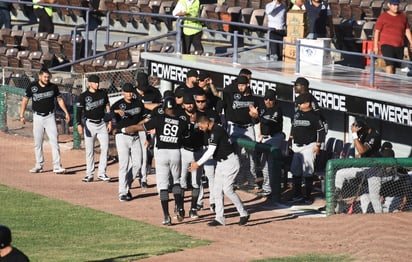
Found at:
<point>237,96</point>
<point>88,99</point>
<point>161,111</point>
<point>211,138</point>
<point>184,118</point>
<point>122,106</point>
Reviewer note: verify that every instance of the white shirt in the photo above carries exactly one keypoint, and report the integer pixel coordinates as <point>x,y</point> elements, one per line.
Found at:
<point>276,13</point>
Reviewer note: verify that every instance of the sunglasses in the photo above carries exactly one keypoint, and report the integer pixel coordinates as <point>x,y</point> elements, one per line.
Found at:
<point>200,101</point>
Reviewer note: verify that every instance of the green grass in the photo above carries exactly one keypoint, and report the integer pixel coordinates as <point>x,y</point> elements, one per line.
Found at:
<point>52,230</point>
<point>309,258</point>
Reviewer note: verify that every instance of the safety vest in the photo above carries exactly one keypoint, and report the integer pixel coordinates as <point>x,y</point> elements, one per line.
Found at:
<point>48,9</point>
<point>191,11</point>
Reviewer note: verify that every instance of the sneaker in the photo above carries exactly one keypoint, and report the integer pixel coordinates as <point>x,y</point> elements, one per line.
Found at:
<point>167,221</point>
<point>36,170</point>
<point>59,170</point>
<point>87,179</point>
<point>214,223</point>
<point>180,215</point>
<point>212,207</point>
<point>124,198</point>
<point>104,178</point>
<point>193,213</point>
<point>243,220</point>
<point>144,185</point>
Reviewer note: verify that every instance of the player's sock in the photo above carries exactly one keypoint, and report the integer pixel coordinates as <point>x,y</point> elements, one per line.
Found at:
<point>164,200</point>
<point>195,197</point>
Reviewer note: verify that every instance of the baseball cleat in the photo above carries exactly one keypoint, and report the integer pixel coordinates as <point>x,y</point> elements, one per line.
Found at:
<point>214,223</point>
<point>124,198</point>
<point>180,215</point>
<point>36,170</point>
<point>167,221</point>
<point>212,207</point>
<point>193,213</point>
<point>144,185</point>
<point>243,220</point>
<point>87,179</point>
<point>104,178</point>
<point>59,170</point>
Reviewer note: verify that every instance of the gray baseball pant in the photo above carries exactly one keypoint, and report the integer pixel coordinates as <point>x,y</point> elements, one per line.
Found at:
<point>91,132</point>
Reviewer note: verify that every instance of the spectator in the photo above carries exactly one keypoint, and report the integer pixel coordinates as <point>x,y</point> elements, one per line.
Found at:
<point>298,5</point>
<point>44,94</point>
<point>7,251</point>
<point>390,30</point>
<point>5,18</point>
<point>320,16</point>
<point>44,15</point>
<point>191,36</point>
<point>276,13</point>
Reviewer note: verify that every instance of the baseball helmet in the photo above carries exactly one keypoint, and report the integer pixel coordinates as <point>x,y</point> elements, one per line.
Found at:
<point>169,103</point>
<point>5,236</point>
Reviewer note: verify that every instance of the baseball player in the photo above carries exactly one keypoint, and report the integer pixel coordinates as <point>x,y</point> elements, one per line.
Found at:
<point>308,133</point>
<point>7,251</point>
<point>127,112</point>
<point>43,95</point>
<point>169,130</point>
<point>190,86</point>
<point>221,149</point>
<point>241,124</point>
<point>210,165</point>
<point>270,132</point>
<point>192,149</point>
<point>94,107</point>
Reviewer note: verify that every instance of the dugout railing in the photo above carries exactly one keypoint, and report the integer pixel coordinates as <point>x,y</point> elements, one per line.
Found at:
<point>385,169</point>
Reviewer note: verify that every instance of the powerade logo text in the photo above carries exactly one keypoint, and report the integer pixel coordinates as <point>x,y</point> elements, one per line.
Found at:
<point>258,87</point>
<point>169,72</point>
<point>330,100</point>
<point>391,113</point>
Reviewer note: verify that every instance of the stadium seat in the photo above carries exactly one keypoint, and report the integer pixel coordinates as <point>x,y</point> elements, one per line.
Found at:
<point>356,10</point>
<point>145,7</point>
<point>376,7</point>
<point>366,8</point>
<point>258,18</point>
<point>24,43</point>
<point>166,7</point>
<point>255,4</point>
<point>345,9</point>
<point>335,8</point>
<point>337,148</point>
<point>209,9</point>
<point>408,12</point>
<point>246,15</point>
<point>110,64</point>
<point>64,11</point>
<point>124,64</point>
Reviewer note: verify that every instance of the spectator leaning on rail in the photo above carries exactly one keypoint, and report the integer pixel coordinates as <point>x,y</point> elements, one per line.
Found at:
<point>320,17</point>
<point>391,28</point>
<point>192,30</point>
<point>5,18</point>
<point>44,15</point>
<point>276,13</point>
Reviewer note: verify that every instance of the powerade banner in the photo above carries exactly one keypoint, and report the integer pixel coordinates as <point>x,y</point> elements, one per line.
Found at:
<point>394,113</point>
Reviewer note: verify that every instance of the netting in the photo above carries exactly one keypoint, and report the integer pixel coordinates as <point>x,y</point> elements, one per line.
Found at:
<point>369,185</point>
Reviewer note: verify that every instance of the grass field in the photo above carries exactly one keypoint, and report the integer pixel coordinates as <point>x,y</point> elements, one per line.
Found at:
<point>52,230</point>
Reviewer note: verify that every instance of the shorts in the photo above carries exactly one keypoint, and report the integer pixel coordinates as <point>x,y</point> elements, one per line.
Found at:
<point>393,52</point>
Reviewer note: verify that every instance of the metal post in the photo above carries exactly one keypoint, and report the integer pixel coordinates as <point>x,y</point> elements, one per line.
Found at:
<point>76,135</point>
<point>268,45</point>
<point>86,48</point>
<point>372,69</point>
<point>297,65</point>
<point>179,36</point>
<point>235,47</point>
<point>3,110</point>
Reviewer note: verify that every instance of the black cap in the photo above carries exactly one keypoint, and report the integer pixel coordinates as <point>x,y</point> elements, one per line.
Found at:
<point>127,87</point>
<point>360,123</point>
<point>142,81</point>
<point>270,94</point>
<point>387,145</point>
<point>93,79</point>
<point>5,236</point>
<point>303,98</point>
<point>191,73</point>
<point>301,81</point>
<point>203,76</point>
<point>386,150</point>
<point>242,80</point>
<point>168,93</point>
<point>169,103</point>
<point>188,99</point>
<point>179,92</point>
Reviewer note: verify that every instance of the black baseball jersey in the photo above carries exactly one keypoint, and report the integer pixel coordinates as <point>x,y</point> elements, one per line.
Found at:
<point>42,97</point>
<point>212,115</point>
<point>373,139</point>
<point>271,120</point>
<point>170,130</point>
<point>227,98</point>
<point>191,91</point>
<point>133,112</point>
<point>15,256</point>
<point>195,139</point>
<point>307,127</point>
<point>239,105</point>
<point>219,137</point>
<point>92,105</point>
<point>315,107</point>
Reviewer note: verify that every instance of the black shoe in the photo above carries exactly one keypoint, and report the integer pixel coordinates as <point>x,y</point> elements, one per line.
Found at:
<point>87,179</point>
<point>144,185</point>
<point>124,198</point>
<point>264,193</point>
<point>129,195</point>
<point>213,208</point>
<point>167,221</point>
<point>193,213</point>
<point>180,215</point>
<point>243,220</point>
<point>214,223</point>
<point>199,207</point>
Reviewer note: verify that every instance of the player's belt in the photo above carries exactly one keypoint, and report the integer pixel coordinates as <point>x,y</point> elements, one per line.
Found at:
<point>242,126</point>
<point>266,136</point>
<point>43,114</point>
<point>95,121</point>
<point>192,149</point>
<point>300,145</point>
<point>224,158</point>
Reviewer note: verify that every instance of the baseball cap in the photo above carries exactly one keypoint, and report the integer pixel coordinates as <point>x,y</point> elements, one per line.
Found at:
<point>188,99</point>
<point>242,80</point>
<point>192,73</point>
<point>142,81</point>
<point>387,145</point>
<point>301,81</point>
<point>169,103</point>
<point>203,76</point>
<point>5,236</point>
<point>270,94</point>
<point>303,98</point>
<point>386,150</point>
<point>360,123</point>
<point>394,2</point>
<point>168,93</point>
<point>179,92</point>
<point>93,79</point>
<point>127,87</point>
